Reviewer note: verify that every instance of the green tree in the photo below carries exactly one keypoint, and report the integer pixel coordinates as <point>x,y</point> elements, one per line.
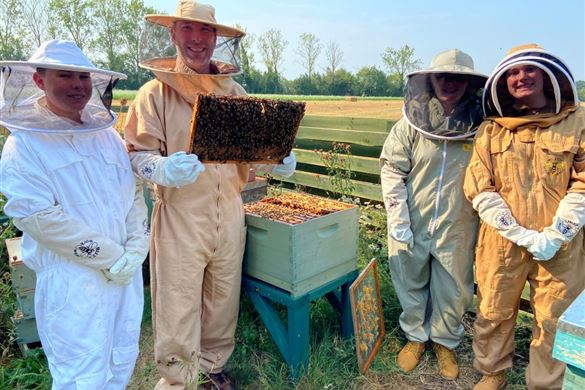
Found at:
<point>370,81</point>
<point>309,49</point>
<point>108,19</point>
<point>11,42</point>
<point>333,55</point>
<point>76,20</point>
<point>271,45</point>
<point>36,19</point>
<point>401,62</point>
<point>132,25</point>
<point>339,83</point>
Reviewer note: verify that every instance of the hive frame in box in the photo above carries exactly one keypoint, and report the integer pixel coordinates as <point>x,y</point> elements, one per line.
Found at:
<point>244,136</point>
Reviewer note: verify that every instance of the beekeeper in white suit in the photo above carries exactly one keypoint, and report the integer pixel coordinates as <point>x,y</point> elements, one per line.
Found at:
<point>70,188</point>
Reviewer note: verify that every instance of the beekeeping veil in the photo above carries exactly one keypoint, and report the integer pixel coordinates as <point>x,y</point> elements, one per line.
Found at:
<point>22,104</point>
<point>423,110</point>
<point>158,53</point>
<point>559,85</point>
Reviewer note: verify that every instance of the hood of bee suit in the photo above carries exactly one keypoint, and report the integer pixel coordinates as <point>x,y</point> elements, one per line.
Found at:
<point>423,110</point>
<point>159,54</point>
<point>22,103</point>
<point>559,85</point>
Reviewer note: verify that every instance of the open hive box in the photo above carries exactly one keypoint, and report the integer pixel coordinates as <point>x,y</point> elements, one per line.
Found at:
<point>299,242</point>
<point>23,286</point>
<point>243,129</point>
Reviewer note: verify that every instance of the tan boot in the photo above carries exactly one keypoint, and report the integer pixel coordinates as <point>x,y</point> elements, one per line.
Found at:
<point>491,382</point>
<point>448,368</point>
<point>409,355</point>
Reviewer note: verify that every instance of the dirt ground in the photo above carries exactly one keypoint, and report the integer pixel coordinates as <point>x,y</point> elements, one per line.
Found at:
<point>382,109</point>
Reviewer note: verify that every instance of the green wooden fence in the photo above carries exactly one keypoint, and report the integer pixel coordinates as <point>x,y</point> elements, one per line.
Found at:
<point>364,135</point>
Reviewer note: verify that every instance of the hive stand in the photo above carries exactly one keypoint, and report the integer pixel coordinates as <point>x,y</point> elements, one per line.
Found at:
<point>293,342</point>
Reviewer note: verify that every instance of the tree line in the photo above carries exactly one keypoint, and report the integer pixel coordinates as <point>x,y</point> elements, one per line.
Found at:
<point>109,32</point>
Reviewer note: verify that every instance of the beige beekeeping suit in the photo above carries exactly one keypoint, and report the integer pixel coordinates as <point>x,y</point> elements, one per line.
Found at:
<point>198,234</point>
<point>431,229</point>
<point>533,162</point>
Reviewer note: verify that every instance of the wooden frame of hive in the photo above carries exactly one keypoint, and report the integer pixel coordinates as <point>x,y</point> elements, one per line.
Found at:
<point>231,129</point>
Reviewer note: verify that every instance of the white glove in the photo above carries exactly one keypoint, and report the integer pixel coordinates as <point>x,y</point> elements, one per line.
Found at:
<point>403,235</point>
<point>544,248</point>
<point>176,170</point>
<point>568,220</point>
<point>124,268</point>
<point>181,169</point>
<point>494,211</point>
<point>288,166</point>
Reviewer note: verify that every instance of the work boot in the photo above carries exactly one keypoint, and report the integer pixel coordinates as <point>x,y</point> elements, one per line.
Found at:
<point>218,381</point>
<point>448,368</point>
<point>491,382</point>
<point>409,355</point>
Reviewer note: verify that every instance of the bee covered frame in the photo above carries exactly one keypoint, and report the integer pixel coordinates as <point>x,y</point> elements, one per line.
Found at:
<point>232,129</point>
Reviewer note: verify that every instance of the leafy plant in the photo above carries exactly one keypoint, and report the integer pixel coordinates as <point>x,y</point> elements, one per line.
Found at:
<point>338,165</point>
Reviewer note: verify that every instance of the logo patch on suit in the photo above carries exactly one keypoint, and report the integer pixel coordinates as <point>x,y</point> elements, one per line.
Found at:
<point>554,167</point>
<point>87,248</point>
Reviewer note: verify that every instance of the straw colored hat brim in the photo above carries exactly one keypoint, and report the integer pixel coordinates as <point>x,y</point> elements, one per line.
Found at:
<point>222,30</point>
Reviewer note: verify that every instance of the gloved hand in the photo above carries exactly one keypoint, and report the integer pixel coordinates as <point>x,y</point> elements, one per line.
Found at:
<point>124,268</point>
<point>181,169</point>
<point>404,235</point>
<point>544,247</point>
<point>494,211</point>
<point>288,166</point>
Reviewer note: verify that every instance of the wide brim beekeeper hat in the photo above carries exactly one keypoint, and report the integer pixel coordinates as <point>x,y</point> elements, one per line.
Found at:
<point>21,101</point>
<point>158,53</point>
<point>419,107</point>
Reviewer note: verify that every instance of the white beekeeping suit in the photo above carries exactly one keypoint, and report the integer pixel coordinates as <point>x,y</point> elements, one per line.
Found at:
<point>71,190</point>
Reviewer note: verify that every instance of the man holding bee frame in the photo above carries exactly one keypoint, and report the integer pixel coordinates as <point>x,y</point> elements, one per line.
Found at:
<point>198,231</point>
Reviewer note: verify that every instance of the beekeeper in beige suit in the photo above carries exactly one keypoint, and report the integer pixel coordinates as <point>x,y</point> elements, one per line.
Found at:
<point>431,228</point>
<point>198,230</point>
<point>527,181</point>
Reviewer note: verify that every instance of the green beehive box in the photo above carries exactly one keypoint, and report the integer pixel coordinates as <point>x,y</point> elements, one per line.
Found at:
<point>569,346</point>
<point>301,257</point>
<point>23,278</point>
<point>26,330</point>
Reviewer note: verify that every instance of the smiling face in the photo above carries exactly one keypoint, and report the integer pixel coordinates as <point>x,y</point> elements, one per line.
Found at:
<point>449,89</point>
<point>66,92</point>
<point>526,84</point>
<point>195,43</point>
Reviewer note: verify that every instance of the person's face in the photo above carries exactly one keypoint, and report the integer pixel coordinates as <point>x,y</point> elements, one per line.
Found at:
<point>449,87</point>
<point>66,92</point>
<point>195,42</point>
<point>525,82</point>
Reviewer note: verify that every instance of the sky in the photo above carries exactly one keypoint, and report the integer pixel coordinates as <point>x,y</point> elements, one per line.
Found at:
<point>485,29</point>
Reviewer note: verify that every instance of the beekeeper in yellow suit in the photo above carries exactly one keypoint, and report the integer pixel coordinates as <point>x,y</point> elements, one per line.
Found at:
<point>526,179</point>
<point>198,231</point>
<point>431,228</point>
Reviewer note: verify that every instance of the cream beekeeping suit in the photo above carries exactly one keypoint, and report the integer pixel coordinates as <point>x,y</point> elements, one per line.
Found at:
<point>431,231</point>
<point>198,231</point>
<point>527,180</point>
<point>70,189</point>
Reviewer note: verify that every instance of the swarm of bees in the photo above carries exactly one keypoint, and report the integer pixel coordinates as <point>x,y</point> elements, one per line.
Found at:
<point>244,129</point>
<point>294,208</point>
